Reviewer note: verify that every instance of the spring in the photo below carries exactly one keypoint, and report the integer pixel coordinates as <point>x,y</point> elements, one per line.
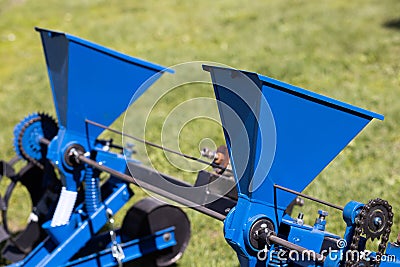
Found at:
<point>276,259</point>
<point>92,191</point>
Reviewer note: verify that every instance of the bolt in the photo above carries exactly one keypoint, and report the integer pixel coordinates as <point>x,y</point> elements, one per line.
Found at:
<point>167,237</point>
<point>300,217</point>
<point>208,153</point>
<point>299,201</point>
<point>322,214</point>
<point>262,230</point>
<point>264,227</point>
<point>378,222</point>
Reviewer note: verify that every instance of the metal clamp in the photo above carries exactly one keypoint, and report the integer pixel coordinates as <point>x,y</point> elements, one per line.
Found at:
<point>116,249</point>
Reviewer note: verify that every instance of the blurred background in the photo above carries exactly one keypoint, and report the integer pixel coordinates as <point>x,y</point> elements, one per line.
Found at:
<point>348,50</point>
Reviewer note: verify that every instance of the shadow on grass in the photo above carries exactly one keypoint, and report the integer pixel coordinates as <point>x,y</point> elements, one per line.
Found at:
<point>392,24</point>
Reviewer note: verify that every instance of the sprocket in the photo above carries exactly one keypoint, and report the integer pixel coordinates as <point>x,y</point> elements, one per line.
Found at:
<point>377,220</point>
<point>29,132</point>
<point>374,221</point>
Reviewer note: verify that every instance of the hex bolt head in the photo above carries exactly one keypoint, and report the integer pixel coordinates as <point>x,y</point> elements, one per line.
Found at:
<point>322,213</point>
<point>167,237</point>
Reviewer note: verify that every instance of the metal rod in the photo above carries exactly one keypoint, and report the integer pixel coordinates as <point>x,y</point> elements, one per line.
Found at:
<point>212,164</point>
<point>81,158</point>
<point>44,141</point>
<point>309,197</point>
<point>314,256</point>
<point>129,179</point>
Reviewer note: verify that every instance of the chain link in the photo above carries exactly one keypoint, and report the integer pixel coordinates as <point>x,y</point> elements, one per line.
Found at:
<point>116,249</point>
<point>361,220</point>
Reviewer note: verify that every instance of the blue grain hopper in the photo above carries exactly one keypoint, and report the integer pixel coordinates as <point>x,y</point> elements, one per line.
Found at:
<point>92,82</point>
<point>280,134</point>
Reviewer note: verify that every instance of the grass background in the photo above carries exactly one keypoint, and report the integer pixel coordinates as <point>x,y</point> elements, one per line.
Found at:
<point>349,50</point>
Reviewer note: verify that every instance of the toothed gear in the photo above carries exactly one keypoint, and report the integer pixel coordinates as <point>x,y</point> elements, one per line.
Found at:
<point>374,221</point>
<point>27,135</point>
<point>377,220</point>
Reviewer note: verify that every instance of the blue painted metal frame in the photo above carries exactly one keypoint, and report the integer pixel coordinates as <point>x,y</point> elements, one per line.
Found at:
<point>65,241</point>
<point>84,78</point>
<point>133,249</point>
<point>292,135</point>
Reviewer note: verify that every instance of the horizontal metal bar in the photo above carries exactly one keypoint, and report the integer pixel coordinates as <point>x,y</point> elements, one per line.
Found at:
<point>129,179</point>
<point>44,141</point>
<point>314,256</point>
<point>205,192</point>
<point>309,197</point>
<point>212,164</point>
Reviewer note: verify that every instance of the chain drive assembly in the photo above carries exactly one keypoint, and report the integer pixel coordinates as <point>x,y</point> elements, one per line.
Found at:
<point>374,221</point>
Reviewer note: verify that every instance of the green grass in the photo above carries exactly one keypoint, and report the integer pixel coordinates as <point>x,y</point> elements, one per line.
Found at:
<point>337,48</point>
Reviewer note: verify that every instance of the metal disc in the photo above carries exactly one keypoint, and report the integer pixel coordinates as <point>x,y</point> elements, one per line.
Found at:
<point>39,184</point>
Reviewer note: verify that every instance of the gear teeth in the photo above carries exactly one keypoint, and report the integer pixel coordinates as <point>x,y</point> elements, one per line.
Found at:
<point>361,226</point>
<point>17,131</point>
<point>27,147</point>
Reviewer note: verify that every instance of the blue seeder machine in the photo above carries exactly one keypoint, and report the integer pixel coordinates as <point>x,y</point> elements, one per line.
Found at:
<point>278,139</point>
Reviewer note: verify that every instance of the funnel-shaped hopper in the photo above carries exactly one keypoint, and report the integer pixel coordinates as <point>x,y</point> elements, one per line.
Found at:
<point>280,134</point>
<point>92,82</point>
